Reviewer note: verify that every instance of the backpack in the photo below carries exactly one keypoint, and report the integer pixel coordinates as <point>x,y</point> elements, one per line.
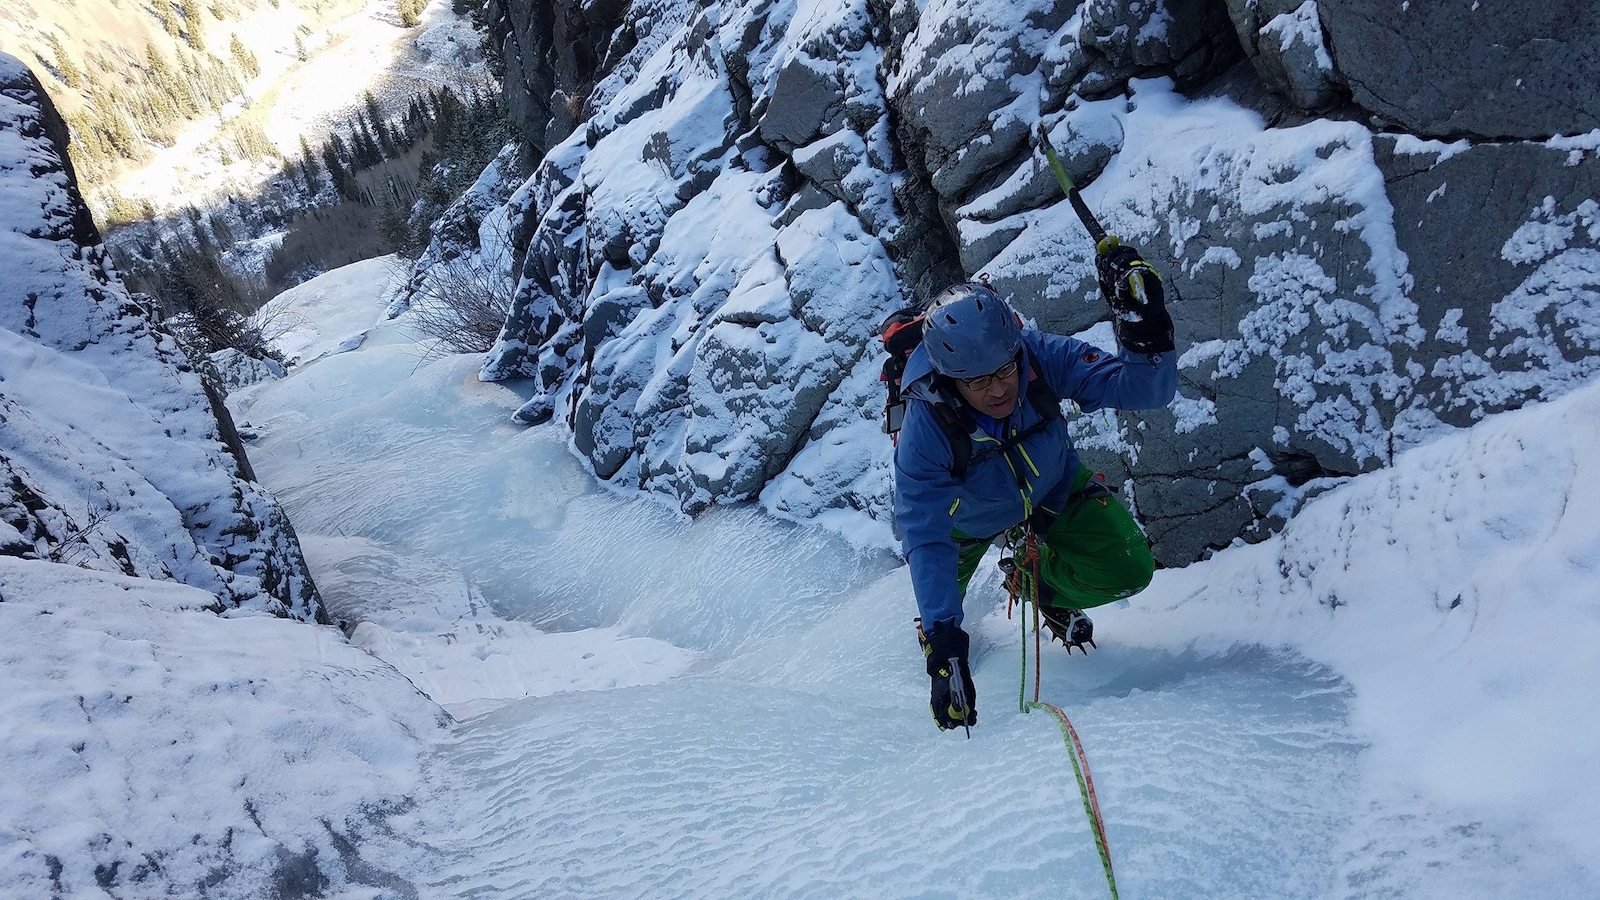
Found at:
<point>902,333</point>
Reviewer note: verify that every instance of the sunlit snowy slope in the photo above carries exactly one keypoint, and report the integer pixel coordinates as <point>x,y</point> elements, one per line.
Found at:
<point>1389,699</point>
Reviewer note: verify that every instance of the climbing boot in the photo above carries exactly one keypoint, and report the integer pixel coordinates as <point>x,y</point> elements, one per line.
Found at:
<point>1069,626</point>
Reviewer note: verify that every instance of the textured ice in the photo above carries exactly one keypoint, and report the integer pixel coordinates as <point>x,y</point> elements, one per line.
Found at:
<point>813,794</point>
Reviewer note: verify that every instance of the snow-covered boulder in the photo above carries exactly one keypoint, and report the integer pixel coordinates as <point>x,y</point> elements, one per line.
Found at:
<point>235,370</point>
<point>113,454</point>
<point>1285,41</point>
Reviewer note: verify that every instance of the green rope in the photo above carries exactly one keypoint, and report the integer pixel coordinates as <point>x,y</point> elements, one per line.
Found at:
<point>1069,735</point>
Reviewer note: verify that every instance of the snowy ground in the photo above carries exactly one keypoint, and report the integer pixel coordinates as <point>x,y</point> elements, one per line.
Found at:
<point>1390,699</point>
<point>152,746</point>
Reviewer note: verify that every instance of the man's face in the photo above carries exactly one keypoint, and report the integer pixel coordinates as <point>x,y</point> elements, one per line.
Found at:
<point>995,394</point>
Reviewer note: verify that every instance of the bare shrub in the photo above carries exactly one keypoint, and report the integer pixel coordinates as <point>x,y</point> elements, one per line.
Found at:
<point>74,548</point>
<point>462,304</point>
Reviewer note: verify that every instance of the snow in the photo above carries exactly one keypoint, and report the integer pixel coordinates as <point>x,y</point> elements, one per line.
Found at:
<point>314,319</point>
<point>1454,593</point>
<point>112,453</point>
<point>1302,26</point>
<point>1553,316</point>
<point>152,744</point>
<point>434,626</point>
<point>1412,145</point>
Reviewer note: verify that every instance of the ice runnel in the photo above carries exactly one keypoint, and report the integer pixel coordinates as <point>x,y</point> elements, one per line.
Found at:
<point>778,742</point>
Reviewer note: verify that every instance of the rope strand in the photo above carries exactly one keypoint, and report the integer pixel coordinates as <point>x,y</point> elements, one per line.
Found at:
<point>1022,585</point>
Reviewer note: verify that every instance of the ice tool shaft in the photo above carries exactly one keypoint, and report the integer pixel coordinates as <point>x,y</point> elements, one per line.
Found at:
<point>1097,232</point>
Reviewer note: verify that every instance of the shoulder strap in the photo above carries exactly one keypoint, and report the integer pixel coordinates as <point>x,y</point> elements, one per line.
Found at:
<point>957,426</point>
<point>1040,395</point>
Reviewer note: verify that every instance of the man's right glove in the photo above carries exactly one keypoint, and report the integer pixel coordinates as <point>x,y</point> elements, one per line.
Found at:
<point>954,698</point>
<point>1133,289</point>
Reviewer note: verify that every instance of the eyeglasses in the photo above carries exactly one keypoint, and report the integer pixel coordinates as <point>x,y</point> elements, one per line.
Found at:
<point>983,381</point>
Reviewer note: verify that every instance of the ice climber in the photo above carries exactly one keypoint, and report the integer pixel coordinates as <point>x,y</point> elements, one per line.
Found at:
<point>984,447</point>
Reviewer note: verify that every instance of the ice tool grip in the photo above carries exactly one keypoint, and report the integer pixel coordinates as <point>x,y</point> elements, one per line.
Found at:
<point>958,696</point>
<point>1136,288</point>
<point>1135,285</point>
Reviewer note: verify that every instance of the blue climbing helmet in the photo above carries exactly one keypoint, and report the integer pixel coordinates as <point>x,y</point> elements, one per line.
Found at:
<point>969,331</point>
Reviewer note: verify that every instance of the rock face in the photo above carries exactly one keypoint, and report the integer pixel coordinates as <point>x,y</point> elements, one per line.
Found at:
<point>112,454</point>
<point>552,52</point>
<point>754,183</point>
<point>1523,69</point>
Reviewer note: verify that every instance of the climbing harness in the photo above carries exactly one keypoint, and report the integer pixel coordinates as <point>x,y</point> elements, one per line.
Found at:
<point>1020,562</point>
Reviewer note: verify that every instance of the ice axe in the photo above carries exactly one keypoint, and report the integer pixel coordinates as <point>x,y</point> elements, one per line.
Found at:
<point>1103,243</point>
<point>1097,232</point>
<point>958,693</point>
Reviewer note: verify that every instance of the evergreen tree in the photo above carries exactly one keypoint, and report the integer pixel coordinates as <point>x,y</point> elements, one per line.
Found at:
<point>332,162</point>
<point>367,152</point>
<point>380,128</point>
<point>340,169</point>
<point>247,61</point>
<point>189,88</point>
<point>194,25</point>
<point>308,166</point>
<point>71,75</point>
<point>221,231</point>
<point>394,140</point>
<point>119,135</point>
<point>340,151</point>
<point>157,69</point>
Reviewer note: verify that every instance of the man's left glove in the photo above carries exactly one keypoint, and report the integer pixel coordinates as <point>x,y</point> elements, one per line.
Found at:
<point>954,698</point>
<point>1133,289</point>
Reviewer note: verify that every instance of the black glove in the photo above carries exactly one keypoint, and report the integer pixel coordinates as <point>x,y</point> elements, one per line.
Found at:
<point>954,698</point>
<point>1137,298</point>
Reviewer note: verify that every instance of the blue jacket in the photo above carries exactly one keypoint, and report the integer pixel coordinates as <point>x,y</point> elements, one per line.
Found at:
<point>1000,490</point>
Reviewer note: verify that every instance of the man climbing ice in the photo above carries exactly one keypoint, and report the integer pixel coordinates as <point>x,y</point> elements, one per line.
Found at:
<point>983,447</point>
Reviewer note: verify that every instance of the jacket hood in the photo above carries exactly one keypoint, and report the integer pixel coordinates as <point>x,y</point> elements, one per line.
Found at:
<point>919,375</point>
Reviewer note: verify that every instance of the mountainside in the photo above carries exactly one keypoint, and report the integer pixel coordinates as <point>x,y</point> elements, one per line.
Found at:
<point>185,104</point>
<point>730,195</point>
<point>114,454</point>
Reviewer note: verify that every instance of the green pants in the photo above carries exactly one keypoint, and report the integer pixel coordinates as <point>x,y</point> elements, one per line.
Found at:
<point>1094,553</point>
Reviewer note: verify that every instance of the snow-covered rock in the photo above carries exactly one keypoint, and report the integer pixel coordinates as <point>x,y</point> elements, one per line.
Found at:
<point>235,370</point>
<point>1331,308</point>
<point>113,455</point>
